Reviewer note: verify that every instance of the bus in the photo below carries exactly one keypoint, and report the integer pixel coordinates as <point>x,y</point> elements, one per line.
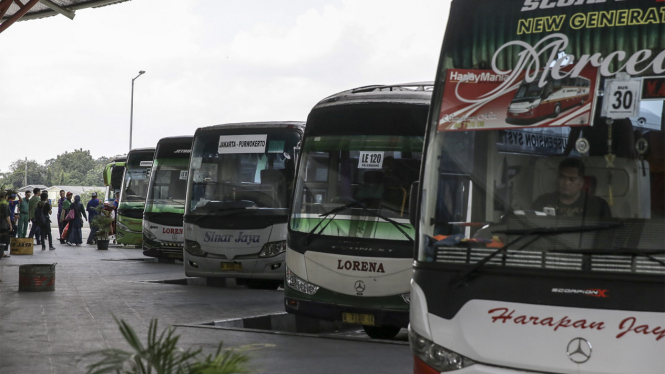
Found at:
<point>165,203</point>
<point>541,248</point>
<point>239,189</point>
<point>134,190</point>
<point>350,245</point>
<point>533,102</point>
<point>113,173</point>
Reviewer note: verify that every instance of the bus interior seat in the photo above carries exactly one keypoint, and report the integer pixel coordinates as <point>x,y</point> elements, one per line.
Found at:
<point>630,195</point>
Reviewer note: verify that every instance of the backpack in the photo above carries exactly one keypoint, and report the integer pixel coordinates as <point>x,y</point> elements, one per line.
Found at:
<point>41,217</point>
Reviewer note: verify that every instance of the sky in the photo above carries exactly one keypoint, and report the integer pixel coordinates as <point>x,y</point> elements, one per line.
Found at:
<point>66,84</point>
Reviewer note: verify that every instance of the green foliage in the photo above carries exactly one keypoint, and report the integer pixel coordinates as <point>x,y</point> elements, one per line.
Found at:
<point>14,177</point>
<point>76,168</point>
<point>102,222</point>
<point>162,356</point>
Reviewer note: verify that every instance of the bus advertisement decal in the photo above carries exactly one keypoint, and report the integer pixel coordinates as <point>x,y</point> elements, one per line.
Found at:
<point>485,100</point>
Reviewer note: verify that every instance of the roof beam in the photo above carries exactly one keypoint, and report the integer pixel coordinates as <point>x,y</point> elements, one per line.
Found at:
<point>59,9</point>
<point>24,9</point>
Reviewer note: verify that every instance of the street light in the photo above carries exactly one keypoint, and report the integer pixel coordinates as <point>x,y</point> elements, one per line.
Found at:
<point>131,114</point>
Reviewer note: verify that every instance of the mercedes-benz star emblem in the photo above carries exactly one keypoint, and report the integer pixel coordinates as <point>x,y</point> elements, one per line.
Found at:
<point>579,350</point>
<point>360,286</point>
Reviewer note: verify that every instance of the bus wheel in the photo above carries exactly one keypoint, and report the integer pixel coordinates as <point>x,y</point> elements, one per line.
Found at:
<point>557,110</point>
<point>382,332</point>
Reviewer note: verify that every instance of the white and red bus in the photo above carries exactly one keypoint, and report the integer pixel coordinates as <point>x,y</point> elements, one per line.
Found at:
<point>533,102</point>
<point>540,248</point>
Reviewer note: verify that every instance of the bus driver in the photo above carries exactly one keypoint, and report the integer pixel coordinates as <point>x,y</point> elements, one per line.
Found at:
<point>570,200</point>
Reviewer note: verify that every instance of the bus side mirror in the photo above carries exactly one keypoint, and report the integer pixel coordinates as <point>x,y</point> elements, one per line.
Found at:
<point>413,203</point>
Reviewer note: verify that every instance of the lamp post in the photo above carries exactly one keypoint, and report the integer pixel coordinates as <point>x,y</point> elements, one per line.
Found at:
<point>131,114</point>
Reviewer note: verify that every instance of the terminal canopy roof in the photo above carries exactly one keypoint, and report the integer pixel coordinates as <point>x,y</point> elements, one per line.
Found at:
<point>21,10</point>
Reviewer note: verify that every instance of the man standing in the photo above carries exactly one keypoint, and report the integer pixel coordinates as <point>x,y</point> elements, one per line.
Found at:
<point>34,231</point>
<point>92,213</point>
<point>24,215</point>
<point>61,224</point>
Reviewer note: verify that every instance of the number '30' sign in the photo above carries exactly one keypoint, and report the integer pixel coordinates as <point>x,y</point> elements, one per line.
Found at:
<point>622,98</point>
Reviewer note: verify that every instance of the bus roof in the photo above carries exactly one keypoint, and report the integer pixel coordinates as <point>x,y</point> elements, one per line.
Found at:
<point>275,124</point>
<point>140,150</point>
<point>415,93</point>
<point>174,147</point>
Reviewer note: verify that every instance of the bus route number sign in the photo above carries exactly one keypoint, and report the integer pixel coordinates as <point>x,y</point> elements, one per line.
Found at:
<point>370,160</point>
<point>622,98</point>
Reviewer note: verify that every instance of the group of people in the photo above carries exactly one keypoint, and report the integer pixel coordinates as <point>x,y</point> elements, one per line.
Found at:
<point>37,209</point>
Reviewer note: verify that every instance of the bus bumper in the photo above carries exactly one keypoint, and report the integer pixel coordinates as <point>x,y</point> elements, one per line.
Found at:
<point>268,268</point>
<point>333,312</point>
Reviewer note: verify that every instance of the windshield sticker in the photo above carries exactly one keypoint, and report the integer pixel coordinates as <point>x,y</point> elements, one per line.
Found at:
<point>484,100</point>
<point>653,88</point>
<point>145,164</point>
<point>184,174</point>
<point>196,162</point>
<point>370,160</point>
<point>229,144</point>
<point>276,146</point>
<point>622,98</point>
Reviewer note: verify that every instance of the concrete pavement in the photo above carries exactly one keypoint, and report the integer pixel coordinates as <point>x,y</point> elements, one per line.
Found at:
<point>50,332</point>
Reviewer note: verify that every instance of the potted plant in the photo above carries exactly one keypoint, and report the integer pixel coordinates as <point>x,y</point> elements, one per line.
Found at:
<point>102,222</point>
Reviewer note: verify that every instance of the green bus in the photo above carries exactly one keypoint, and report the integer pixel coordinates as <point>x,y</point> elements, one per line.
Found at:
<point>133,193</point>
<point>350,245</point>
<point>165,205</point>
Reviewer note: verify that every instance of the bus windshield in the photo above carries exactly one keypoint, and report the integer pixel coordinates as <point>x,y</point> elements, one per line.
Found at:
<point>486,188</point>
<point>369,174</point>
<point>169,186</point>
<point>135,185</point>
<point>229,179</point>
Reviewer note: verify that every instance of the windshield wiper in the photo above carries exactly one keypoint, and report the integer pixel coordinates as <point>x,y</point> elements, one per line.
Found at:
<point>397,225</point>
<point>334,211</point>
<point>523,233</point>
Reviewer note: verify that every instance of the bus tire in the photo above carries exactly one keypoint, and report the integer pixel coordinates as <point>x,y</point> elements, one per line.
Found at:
<point>382,332</point>
<point>557,110</point>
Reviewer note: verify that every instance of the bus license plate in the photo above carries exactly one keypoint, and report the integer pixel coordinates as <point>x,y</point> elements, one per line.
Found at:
<point>358,319</point>
<point>231,266</point>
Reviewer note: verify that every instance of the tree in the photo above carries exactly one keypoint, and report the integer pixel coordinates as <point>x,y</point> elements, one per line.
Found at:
<point>49,182</point>
<point>14,177</point>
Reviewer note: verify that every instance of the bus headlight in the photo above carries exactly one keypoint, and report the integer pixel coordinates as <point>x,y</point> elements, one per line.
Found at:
<point>407,297</point>
<point>436,356</point>
<point>300,285</point>
<point>122,227</point>
<point>273,249</point>
<point>194,248</point>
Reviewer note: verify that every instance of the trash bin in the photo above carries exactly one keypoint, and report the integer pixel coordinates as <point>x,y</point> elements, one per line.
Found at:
<point>36,277</point>
<point>21,246</point>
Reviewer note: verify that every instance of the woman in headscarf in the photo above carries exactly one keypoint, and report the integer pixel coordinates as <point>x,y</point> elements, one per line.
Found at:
<point>63,213</point>
<point>75,236</point>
